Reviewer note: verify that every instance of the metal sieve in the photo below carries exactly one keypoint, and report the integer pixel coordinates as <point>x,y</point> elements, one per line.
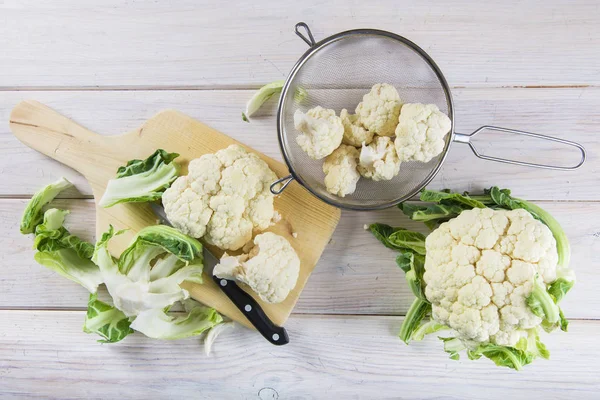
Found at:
<point>336,72</point>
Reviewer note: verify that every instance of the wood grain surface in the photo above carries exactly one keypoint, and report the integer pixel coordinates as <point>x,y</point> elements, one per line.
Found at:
<point>113,64</point>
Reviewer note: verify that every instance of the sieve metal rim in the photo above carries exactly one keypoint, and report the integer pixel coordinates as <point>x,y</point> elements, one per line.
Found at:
<point>314,49</point>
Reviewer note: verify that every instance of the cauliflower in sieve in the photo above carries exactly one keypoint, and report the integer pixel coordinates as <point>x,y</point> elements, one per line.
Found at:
<point>354,133</point>
<point>321,131</point>
<point>480,269</point>
<point>340,169</point>
<point>271,268</point>
<point>378,161</point>
<point>420,132</point>
<point>224,197</point>
<point>379,110</point>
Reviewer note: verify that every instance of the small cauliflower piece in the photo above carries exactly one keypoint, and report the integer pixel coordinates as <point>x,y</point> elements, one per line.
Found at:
<point>354,133</point>
<point>379,110</point>
<point>477,284</point>
<point>271,267</point>
<point>420,132</point>
<point>321,131</point>
<point>340,169</point>
<point>224,197</point>
<point>378,161</point>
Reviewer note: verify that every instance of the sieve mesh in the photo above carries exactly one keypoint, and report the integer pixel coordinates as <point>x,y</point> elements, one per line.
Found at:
<point>336,73</point>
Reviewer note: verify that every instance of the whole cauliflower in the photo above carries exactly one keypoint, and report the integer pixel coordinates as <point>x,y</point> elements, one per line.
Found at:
<point>420,132</point>
<point>379,110</point>
<point>354,133</point>
<point>321,131</point>
<point>271,268</point>
<point>224,197</point>
<point>480,268</point>
<point>340,169</point>
<point>378,161</point>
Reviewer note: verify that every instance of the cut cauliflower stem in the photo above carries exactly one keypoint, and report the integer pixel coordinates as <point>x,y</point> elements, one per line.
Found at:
<point>271,267</point>
<point>354,133</point>
<point>379,161</point>
<point>420,132</point>
<point>223,198</point>
<point>340,169</point>
<point>480,268</point>
<point>321,131</point>
<point>379,110</point>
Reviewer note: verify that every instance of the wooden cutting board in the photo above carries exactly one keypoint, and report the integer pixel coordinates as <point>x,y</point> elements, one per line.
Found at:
<point>97,158</point>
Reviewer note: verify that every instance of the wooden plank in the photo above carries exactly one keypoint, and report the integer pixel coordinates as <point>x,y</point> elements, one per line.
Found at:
<point>356,275</point>
<point>202,44</point>
<point>45,354</point>
<point>568,113</point>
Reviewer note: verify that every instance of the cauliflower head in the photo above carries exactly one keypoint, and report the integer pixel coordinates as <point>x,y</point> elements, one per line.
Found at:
<point>271,267</point>
<point>340,171</point>
<point>379,161</point>
<point>379,110</point>
<point>480,268</point>
<point>321,131</point>
<point>224,197</point>
<point>354,133</point>
<point>420,132</point>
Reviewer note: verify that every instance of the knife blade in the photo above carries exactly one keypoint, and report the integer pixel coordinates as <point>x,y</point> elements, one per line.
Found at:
<point>275,334</point>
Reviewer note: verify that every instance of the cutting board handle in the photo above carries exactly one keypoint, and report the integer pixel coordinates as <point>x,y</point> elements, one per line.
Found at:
<point>54,135</point>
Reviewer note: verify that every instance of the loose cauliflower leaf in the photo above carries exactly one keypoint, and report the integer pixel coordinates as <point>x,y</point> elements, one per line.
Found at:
<point>354,133</point>
<point>271,268</point>
<point>105,320</point>
<point>379,161</point>
<point>321,131</point>
<point>33,214</point>
<point>224,197</point>
<point>379,110</point>
<point>134,284</point>
<point>340,171</point>
<point>420,132</point>
<point>265,93</point>
<point>161,324</point>
<point>141,180</point>
<point>64,253</point>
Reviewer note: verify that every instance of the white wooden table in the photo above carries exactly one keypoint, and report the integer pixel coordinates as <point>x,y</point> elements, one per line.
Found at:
<point>111,64</point>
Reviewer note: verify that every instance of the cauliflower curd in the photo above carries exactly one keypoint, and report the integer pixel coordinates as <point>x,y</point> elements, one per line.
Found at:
<point>271,267</point>
<point>480,268</point>
<point>321,131</point>
<point>354,133</point>
<point>224,197</point>
<point>379,110</point>
<point>379,161</point>
<point>420,132</point>
<point>340,169</point>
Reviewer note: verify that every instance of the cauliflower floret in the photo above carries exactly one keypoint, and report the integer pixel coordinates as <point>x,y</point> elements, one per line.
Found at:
<point>354,133</point>
<point>477,284</point>
<point>321,131</point>
<point>340,169</point>
<point>379,110</point>
<point>378,161</point>
<point>224,197</point>
<point>420,132</point>
<point>271,267</point>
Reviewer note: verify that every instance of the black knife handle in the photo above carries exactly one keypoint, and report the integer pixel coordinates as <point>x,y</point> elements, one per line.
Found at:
<point>277,335</point>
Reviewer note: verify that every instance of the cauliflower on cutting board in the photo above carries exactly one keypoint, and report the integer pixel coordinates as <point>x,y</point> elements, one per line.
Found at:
<point>354,133</point>
<point>340,169</point>
<point>321,131</point>
<point>420,132</point>
<point>379,110</point>
<point>379,161</point>
<point>271,268</point>
<point>224,197</point>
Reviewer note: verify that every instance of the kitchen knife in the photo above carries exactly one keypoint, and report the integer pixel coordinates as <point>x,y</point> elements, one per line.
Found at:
<point>277,335</point>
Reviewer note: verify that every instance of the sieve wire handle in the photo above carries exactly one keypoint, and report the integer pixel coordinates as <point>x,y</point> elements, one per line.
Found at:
<point>464,138</point>
<point>310,40</point>
<point>284,182</point>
